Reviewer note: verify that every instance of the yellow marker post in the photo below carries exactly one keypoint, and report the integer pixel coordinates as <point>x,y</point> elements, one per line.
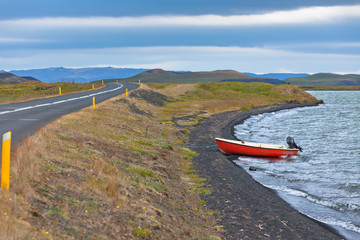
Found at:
<point>93,87</point>
<point>142,85</point>
<point>102,82</point>
<point>139,82</point>
<point>126,93</point>
<point>93,102</point>
<point>59,90</point>
<point>5,169</point>
<point>117,81</point>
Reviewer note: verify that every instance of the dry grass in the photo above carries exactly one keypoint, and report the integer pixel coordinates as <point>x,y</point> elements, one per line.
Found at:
<point>173,90</point>
<point>95,175</point>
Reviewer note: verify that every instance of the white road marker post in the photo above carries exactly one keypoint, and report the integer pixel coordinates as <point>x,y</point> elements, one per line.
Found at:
<point>5,168</point>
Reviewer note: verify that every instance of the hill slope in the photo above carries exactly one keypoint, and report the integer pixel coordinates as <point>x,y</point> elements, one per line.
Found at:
<point>161,76</point>
<point>281,76</point>
<point>79,75</point>
<point>326,79</point>
<point>8,78</point>
<point>29,78</point>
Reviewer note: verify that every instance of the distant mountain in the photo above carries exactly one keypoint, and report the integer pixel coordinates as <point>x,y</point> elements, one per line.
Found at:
<point>81,75</point>
<point>281,76</point>
<point>326,79</point>
<point>8,78</point>
<point>161,76</point>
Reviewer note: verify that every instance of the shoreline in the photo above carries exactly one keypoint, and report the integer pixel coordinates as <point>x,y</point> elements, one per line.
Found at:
<point>245,208</point>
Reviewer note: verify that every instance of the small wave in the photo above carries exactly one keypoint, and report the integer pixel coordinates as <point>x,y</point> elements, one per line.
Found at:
<point>287,190</point>
<point>285,113</point>
<point>346,225</point>
<point>311,198</point>
<point>350,185</point>
<point>242,132</point>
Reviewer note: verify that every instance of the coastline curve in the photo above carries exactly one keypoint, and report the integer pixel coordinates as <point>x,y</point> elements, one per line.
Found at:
<point>245,208</point>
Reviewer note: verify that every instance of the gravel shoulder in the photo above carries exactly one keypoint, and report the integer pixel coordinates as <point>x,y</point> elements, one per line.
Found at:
<point>246,209</point>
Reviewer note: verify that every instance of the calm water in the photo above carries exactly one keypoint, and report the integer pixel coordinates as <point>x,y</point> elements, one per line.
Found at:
<point>323,181</point>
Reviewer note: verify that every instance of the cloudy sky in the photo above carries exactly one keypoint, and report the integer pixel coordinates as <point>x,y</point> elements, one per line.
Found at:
<point>257,36</point>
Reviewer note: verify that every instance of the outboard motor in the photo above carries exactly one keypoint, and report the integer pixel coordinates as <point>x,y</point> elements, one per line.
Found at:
<point>291,142</point>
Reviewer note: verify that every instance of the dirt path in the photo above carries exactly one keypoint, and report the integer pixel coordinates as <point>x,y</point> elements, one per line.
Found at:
<point>246,209</point>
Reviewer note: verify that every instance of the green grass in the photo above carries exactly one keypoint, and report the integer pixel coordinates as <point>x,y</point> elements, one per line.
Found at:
<point>187,153</point>
<point>142,233</point>
<point>145,143</point>
<point>56,212</point>
<point>233,90</point>
<point>45,190</point>
<point>140,151</point>
<point>52,167</point>
<point>189,170</point>
<point>62,137</point>
<point>143,172</point>
<point>158,186</point>
<point>117,137</point>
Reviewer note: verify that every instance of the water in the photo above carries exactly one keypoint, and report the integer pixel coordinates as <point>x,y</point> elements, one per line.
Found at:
<point>323,181</point>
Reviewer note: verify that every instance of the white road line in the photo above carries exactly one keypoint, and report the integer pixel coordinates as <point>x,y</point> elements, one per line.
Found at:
<point>61,101</point>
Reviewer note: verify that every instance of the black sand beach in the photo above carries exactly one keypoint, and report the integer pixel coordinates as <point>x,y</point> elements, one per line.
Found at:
<point>246,209</point>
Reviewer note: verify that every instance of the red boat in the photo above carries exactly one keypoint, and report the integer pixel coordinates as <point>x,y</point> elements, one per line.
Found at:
<point>254,149</point>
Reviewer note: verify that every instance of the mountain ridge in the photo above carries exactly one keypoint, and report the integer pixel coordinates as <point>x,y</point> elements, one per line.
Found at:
<point>79,75</point>
<point>162,76</point>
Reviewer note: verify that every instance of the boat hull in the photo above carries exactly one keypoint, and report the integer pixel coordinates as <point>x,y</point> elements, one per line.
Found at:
<point>254,149</point>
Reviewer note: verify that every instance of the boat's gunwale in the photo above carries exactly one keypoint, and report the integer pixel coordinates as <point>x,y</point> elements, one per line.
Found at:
<point>246,144</point>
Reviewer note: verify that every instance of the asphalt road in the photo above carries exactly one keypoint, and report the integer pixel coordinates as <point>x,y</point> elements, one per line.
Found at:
<point>24,118</point>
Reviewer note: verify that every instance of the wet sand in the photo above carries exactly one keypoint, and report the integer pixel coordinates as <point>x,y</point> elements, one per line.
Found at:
<point>246,209</point>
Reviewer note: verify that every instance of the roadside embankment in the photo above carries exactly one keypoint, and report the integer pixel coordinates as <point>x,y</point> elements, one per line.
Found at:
<point>246,209</point>
<point>122,171</point>
<point>99,174</point>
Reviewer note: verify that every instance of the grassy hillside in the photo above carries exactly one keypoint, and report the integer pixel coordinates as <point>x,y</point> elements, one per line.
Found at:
<point>161,76</point>
<point>218,97</point>
<point>121,171</point>
<point>326,79</point>
<point>8,78</point>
